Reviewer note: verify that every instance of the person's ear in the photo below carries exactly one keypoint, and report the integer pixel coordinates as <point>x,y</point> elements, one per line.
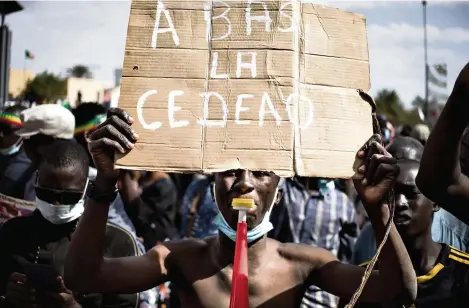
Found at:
<point>436,208</point>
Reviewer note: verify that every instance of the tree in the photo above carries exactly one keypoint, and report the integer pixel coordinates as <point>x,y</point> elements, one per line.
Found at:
<point>80,71</point>
<point>389,104</point>
<point>46,86</point>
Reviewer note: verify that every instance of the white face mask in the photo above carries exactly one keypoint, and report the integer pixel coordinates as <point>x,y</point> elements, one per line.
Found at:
<point>62,213</point>
<point>15,148</point>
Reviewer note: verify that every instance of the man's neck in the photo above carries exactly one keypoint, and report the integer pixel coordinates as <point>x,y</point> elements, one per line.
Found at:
<point>423,252</point>
<point>226,251</point>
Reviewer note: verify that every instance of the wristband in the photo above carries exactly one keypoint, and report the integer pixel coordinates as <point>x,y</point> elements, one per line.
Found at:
<point>101,196</point>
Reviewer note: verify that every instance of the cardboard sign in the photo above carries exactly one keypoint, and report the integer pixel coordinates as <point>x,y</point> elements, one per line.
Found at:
<point>262,85</point>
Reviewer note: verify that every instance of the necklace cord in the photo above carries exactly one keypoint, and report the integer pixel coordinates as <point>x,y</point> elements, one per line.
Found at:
<point>390,201</point>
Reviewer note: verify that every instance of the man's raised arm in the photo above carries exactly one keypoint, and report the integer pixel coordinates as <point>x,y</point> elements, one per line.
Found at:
<point>395,277</point>
<point>440,178</point>
<point>86,270</point>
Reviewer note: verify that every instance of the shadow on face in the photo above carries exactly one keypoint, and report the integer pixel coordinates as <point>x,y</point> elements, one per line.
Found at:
<point>36,147</point>
<point>414,212</point>
<point>60,186</point>
<point>7,136</point>
<point>260,186</point>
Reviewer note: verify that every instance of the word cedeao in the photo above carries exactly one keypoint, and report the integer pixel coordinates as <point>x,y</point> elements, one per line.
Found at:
<point>266,105</point>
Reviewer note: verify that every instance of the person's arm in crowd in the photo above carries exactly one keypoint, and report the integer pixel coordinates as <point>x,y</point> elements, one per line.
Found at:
<point>440,178</point>
<point>86,270</point>
<point>395,277</point>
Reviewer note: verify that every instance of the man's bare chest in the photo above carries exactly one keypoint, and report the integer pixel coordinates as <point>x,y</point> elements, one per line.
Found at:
<point>268,287</point>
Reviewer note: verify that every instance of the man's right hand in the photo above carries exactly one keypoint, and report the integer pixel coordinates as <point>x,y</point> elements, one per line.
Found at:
<point>115,134</point>
<point>18,293</point>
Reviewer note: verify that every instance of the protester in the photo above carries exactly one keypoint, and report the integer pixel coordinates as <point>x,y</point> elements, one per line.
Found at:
<point>40,241</point>
<point>445,227</point>
<point>442,270</point>
<point>444,170</point>
<point>42,126</point>
<point>198,210</point>
<point>315,213</point>
<point>150,201</point>
<point>15,167</point>
<point>279,273</point>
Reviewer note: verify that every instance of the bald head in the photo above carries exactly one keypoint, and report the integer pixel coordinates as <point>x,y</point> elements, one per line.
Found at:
<point>403,147</point>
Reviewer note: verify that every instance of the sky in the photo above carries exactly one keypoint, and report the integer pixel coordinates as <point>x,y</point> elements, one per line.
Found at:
<point>63,33</point>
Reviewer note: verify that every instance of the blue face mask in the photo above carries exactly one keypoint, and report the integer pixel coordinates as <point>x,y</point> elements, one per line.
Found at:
<point>15,148</point>
<point>325,186</point>
<point>263,228</point>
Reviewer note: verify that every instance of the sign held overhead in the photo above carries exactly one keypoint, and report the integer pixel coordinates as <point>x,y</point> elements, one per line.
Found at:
<point>263,85</point>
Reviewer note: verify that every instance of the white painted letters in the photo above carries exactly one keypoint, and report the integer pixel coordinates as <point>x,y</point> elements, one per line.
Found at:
<point>286,15</point>
<point>213,71</point>
<point>290,102</point>
<point>249,18</point>
<point>266,100</point>
<point>239,108</point>
<point>212,123</point>
<point>140,103</point>
<point>172,108</point>
<point>156,29</point>
<point>240,65</point>
<point>208,21</point>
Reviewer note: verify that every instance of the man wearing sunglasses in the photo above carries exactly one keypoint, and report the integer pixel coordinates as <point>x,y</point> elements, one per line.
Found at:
<point>33,248</point>
<point>43,125</point>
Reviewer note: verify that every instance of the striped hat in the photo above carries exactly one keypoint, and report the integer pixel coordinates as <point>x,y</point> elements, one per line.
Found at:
<point>11,119</point>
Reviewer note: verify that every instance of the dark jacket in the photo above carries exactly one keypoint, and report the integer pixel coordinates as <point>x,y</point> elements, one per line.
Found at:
<point>15,171</point>
<point>21,239</point>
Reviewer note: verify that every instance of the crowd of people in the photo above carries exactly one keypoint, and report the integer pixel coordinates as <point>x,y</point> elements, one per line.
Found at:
<point>76,232</point>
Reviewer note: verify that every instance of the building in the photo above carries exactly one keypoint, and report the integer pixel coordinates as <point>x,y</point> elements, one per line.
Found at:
<point>18,80</point>
<point>91,90</point>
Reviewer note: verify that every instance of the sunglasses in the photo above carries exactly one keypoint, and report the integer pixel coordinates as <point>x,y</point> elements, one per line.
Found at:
<point>54,196</point>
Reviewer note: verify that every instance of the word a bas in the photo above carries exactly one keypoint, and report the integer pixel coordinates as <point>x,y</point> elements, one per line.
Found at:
<point>266,109</point>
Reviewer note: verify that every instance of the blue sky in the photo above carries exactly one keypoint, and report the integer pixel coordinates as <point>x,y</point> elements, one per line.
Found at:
<point>64,33</point>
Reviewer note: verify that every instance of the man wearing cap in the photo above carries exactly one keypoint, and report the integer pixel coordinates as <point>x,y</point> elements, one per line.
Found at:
<point>42,126</point>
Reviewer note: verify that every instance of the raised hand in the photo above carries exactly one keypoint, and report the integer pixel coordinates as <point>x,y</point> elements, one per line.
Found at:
<point>115,134</point>
<point>376,172</point>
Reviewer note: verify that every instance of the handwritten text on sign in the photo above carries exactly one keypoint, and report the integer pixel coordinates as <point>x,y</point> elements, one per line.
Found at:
<point>245,60</point>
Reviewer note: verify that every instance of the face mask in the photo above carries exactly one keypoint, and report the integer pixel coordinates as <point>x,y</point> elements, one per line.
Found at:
<point>61,214</point>
<point>325,186</point>
<point>264,227</point>
<point>15,148</point>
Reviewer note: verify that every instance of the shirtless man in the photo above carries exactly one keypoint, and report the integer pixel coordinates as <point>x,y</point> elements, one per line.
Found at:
<point>202,269</point>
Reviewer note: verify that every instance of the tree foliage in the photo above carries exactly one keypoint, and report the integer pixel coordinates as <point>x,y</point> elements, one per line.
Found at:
<point>389,104</point>
<point>46,86</point>
<point>80,71</point>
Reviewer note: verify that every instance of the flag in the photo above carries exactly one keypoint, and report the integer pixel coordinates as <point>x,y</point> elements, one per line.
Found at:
<point>28,55</point>
<point>441,69</point>
<point>239,282</point>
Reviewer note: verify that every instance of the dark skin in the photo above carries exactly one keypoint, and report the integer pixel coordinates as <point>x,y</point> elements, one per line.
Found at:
<point>441,177</point>
<point>36,147</point>
<point>413,219</point>
<point>278,273</point>
<point>19,293</point>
